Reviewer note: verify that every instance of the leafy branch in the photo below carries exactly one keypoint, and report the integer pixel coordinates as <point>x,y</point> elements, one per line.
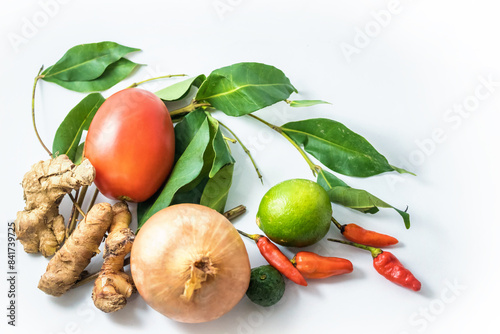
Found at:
<point>203,160</point>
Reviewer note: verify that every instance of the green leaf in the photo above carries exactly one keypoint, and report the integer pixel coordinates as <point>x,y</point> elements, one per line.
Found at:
<point>357,199</point>
<point>113,74</point>
<point>221,151</point>
<point>201,152</point>
<point>86,61</point>
<point>79,154</point>
<point>191,196</point>
<point>216,155</point>
<point>187,168</point>
<point>186,130</point>
<point>70,131</point>
<point>179,90</point>
<point>338,148</point>
<point>328,180</point>
<point>217,189</point>
<point>306,103</point>
<point>243,88</point>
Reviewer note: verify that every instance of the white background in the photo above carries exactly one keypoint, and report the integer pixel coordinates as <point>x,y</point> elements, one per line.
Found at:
<point>398,89</point>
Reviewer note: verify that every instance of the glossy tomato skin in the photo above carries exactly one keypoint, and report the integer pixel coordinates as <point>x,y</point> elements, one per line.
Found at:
<point>131,144</point>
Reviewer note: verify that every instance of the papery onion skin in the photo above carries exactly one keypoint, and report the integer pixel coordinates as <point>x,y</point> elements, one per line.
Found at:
<point>169,243</point>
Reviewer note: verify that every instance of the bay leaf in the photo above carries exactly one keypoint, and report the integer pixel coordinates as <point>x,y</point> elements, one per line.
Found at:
<point>179,90</point>
<point>338,148</point>
<point>222,155</point>
<point>187,168</point>
<point>306,103</point>
<point>243,88</point>
<point>190,196</point>
<point>79,154</point>
<point>86,61</point>
<point>69,132</point>
<point>357,199</point>
<point>217,189</point>
<point>113,74</point>
<point>186,130</point>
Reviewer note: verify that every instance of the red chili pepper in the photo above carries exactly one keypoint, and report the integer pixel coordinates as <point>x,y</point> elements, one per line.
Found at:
<point>388,266</point>
<point>312,265</point>
<point>276,258</point>
<point>360,235</point>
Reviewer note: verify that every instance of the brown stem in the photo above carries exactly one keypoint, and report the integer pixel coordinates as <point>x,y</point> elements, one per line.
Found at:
<point>235,212</point>
<point>73,199</point>
<point>73,208</point>
<point>94,197</point>
<point>72,224</point>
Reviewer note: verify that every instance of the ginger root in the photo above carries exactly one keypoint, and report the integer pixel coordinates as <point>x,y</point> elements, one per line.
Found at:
<point>40,227</point>
<point>66,266</point>
<point>113,286</point>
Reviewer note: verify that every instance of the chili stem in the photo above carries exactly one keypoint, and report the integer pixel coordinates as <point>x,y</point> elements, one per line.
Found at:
<point>339,226</point>
<point>135,84</point>
<point>314,168</point>
<point>375,251</point>
<point>254,237</point>
<point>245,149</point>
<point>38,77</point>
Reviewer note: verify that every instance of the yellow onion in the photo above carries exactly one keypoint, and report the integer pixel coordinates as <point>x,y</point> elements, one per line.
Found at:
<point>190,264</point>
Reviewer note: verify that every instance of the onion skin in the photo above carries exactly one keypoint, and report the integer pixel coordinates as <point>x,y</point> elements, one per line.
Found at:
<point>165,250</point>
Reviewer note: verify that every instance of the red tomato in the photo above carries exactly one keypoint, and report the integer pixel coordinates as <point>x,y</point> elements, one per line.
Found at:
<point>131,145</point>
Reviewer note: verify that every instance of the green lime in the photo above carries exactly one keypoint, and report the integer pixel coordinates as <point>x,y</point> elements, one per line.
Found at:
<point>295,213</point>
<point>267,286</point>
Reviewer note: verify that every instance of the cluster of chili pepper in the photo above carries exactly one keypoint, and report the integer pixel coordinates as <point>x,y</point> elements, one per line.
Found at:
<point>303,265</point>
<point>276,258</point>
<point>384,262</point>
<point>313,266</point>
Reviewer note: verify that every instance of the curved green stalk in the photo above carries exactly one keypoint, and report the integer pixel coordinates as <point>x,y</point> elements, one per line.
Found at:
<point>38,77</point>
<point>135,84</point>
<point>314,168</point>
<point>187,109</point>
<point>245,149</point>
